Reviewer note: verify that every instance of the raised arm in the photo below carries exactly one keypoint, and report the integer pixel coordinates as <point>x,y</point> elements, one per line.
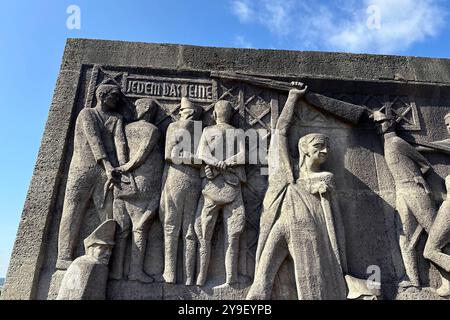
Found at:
<point>285,119</point>
<point>280,168</point>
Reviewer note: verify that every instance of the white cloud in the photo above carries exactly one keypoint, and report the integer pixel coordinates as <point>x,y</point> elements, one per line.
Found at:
<point>372,26</point>
<point>242,10</point>
<point>241,42</point>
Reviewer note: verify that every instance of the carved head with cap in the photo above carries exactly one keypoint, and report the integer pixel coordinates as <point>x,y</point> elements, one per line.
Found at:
<point>189,111</point>
<point>383,123</point>
<point>100,242</point>
<point>108,95</point>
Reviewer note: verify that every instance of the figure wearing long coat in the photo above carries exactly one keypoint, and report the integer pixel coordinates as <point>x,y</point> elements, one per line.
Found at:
<point>298,221</point>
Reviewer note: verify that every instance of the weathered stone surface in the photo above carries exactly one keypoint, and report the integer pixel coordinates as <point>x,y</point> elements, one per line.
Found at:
<point>414,90</point>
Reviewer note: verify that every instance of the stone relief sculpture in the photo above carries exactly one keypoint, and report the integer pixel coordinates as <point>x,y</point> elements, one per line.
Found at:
<point>414,204</point>
<point>223,173</point>
<point>301,218</point>
<point>439,236</point>
<point>99,147</point>
<point>136,198</point>
<point>182,186</point>
<point>86,278</point>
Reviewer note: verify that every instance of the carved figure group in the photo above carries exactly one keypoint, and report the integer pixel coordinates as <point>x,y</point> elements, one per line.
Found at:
<point>120,168</point>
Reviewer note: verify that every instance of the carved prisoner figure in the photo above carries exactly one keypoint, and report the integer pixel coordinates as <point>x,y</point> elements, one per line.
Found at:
<point>413,196</point>
<point>86,278</point>
<point>99,146</point>
<point>181,191</point>
<point>300,218</point>
<point>137,196</point>
<point>223,175</point>
<point>439,236</point>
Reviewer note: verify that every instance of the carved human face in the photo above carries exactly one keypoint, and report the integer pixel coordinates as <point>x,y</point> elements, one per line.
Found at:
<point>447,124</point>
<point>317,151</point>
<point>186,114</point>
<point>111,99</point>
<point>383,126</point>
<point>101,252</point>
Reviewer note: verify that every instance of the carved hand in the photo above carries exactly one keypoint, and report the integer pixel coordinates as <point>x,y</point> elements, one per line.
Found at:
<point>208,172</point>
<point>108,169</point>
<point>322,188</point>
<point>221,165</point>
<point>122,169</point>
<point>297,90</point>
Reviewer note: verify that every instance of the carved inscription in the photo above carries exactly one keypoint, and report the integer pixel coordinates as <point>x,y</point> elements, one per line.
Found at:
<point>171,89</point>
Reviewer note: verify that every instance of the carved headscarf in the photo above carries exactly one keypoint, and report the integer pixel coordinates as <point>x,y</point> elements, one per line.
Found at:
<point>308,139</point>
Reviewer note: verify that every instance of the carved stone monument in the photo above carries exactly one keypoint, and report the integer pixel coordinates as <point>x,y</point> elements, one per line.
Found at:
<point>212,173</point>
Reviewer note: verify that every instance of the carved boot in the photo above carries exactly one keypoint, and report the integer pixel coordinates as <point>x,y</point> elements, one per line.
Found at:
<point>205,253</point>
<point>138,246</point>
<point>444,289</point>
<point>170,259</point>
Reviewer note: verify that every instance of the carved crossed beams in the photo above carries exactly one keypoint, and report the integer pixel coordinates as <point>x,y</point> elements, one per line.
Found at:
<point>387,108</point>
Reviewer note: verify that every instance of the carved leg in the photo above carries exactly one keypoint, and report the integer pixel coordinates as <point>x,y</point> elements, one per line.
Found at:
<point>234,223</point>
<point>189,237</point>
<point>172,228</point>
<point>231,259</point>
<point>123,231</point>
<point>208,223</point>
<point>119,257</point>
<point>439,238</point>
<point>170,258</point>
<point>424,210</point>
<point>189,264</point>
<point>205,253</point>
<point>137,258</point>
<point>78,193</point>
<point>409,255</point>
<point>273,254</point>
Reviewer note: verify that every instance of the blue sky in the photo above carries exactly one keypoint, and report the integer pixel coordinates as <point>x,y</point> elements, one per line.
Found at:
<point>33,34</point>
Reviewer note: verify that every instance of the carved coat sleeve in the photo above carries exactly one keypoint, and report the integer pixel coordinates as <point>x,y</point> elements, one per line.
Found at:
<point>171,142</point>
<point>204,152</point>
<point>120,142</point>
<point>92,132</point>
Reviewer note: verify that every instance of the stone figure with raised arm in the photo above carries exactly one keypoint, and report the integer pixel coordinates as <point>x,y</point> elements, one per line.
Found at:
<point>414,203</point>
<point>137,196</point>
<point>439,236</point>
<point>87,277</point>
<point>223,173</point>
<point>301,219</point>
<point>99,147</point>
<point>182,186</point>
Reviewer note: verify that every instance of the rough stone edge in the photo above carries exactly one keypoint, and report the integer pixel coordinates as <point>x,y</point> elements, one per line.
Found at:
<point>303,64</point>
